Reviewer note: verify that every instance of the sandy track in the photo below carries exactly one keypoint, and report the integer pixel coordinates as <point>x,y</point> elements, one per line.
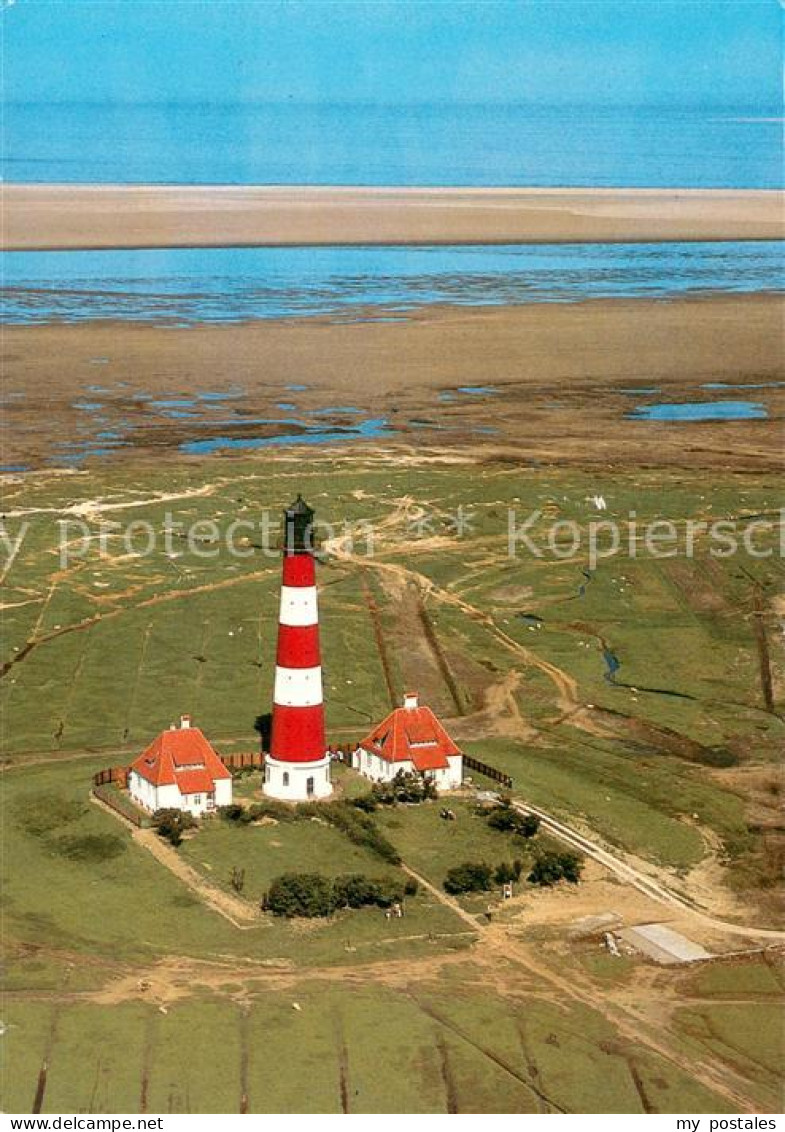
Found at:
<point>653,886</point>
<point>631,1023</point>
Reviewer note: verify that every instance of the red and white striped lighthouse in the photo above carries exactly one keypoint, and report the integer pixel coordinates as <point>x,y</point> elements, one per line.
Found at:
<point>298,766</point>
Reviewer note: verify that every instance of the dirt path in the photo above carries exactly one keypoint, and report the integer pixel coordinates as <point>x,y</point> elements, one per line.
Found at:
<point>632,1024</point>
<point>238,912</point>
<point>156,599</point>
<point>406,512</point>
<point>654,887</point>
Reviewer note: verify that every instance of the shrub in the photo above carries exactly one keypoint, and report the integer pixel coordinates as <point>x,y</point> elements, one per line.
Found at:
<point>552,866</point>
<point>503,818</point>
<point>233,812</point>
<point>355,891</point>
<point>171,824</point>
<point>271,808</point>
<point>506,873</point>
<point>404,787</point>
<point>368,803</point>
<point>468,877</point>
<point>358,891</point>
<point>508,820</point>
<point>301,894</point>
<point>529,825</point>
<point>311,894</point>
<point>360,828</point>
<point>411,887</point>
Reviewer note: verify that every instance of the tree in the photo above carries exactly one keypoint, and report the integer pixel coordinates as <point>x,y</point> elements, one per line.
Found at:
<point>469,877</point>
<point>552,866</point>
<point>171,824</point>
<point>509,820</point>
<point>300,894</point>
<point>529,825</point>
<point>507,872</point>
<point>354,891</point>
<point>503,818</point>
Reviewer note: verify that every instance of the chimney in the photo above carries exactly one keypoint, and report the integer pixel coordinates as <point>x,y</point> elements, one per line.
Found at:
<point>185,722</point>
<point>411,700</point>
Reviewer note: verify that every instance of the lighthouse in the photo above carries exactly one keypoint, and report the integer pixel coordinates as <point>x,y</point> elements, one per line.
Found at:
<point>298,766</point>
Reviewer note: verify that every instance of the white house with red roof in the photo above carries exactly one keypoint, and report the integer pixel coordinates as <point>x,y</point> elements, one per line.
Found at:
<point>410,739</point>
<point>180,771</point>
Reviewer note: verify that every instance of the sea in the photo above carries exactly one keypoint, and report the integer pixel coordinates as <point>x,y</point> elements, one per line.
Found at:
<point>718,146</point>
<point>184,286</point>
<point>460,145</point>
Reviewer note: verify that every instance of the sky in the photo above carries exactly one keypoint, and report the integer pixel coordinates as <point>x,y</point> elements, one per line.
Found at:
<point>608,52</point>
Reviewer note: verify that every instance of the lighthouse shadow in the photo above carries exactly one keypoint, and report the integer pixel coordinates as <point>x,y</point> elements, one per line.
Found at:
<point>263,725</point>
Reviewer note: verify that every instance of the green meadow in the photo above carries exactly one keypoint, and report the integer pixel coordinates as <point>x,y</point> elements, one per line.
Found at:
<point>104,649</point>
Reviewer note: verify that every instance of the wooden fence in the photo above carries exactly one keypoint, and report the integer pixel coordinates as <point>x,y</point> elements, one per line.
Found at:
<point>111,774</point>
<point>243,760</point>
<point>488,771</point>
<point>118,803</point>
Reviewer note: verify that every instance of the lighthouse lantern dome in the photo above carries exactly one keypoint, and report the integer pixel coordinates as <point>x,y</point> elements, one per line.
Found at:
<point>298,526</point>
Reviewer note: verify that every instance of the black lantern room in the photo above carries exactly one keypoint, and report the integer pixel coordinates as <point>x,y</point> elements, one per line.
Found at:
<point>298,527</point>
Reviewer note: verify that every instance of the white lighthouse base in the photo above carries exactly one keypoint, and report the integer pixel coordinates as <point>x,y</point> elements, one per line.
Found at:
<point>297,782</point>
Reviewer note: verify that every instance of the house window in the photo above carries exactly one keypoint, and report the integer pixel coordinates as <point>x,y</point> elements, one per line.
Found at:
<point>309,787</point>
<point>197,799</point>
<point>286,778</point>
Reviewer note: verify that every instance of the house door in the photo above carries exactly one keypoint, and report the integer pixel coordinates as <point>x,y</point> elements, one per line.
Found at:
<point>309,787</point>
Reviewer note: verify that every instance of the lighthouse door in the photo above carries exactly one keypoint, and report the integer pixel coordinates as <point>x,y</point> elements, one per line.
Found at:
<point>309,787</point>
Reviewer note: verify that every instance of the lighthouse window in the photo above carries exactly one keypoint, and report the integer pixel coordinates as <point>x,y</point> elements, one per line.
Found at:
<point>286,778</point>
<point>309,787</point>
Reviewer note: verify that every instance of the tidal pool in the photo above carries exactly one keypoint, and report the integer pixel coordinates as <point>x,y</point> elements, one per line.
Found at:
<point>700,411</point>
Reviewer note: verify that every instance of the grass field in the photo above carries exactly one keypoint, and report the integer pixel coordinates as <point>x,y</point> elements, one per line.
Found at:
<point>675,761</point>
<point>446,1047</point>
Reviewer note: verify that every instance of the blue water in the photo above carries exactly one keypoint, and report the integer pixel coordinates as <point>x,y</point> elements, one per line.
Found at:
<point>368,429</point>
<point>182,286</point>
<point>701,411</point>
<point>612,665</point>
<point>431,144</point>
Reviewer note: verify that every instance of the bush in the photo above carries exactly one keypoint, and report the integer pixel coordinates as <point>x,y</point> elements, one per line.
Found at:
<point>267,808</point>
<point>508,820</point>
<point>355,891</point>
<point>358,891</point>
<point>529,825</point>
<point>411,887</point>
<point>404,787</point>
<point>233,812</point>
<point>503,818</point>
<point>311,894</point>
<point>553,866</point>
<point>300,894</point>
<point>171,824</point>
<point>366,802</point>
<point>360,828</point>
<point>469,877</point>
<point>506,873</point>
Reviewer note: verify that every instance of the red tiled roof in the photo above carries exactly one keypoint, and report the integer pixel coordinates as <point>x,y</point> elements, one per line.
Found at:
<point>195,782</point>
<point>183,757</point>
<point>411,734</point>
